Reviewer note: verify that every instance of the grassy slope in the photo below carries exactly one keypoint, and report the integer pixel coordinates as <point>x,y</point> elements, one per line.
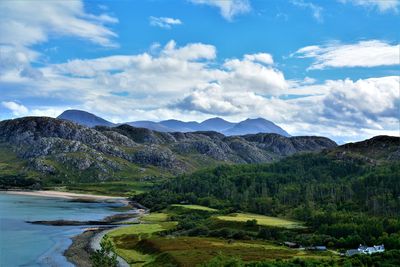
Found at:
<point>140,244</point>
<point>12,167</point>
<point>126,238</point>
<point>262,220</point>
<point>132,179</point>
<point>190,251</point>
<point>194,207</point>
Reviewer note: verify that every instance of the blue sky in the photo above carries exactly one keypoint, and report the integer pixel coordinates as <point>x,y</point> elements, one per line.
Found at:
<point>313,67</point>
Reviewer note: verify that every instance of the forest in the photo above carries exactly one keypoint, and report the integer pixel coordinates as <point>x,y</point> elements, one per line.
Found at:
<point>343,202</point>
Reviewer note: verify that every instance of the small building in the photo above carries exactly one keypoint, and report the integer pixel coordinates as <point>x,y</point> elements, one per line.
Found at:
<point>366,250</point>
<point>374,249</point>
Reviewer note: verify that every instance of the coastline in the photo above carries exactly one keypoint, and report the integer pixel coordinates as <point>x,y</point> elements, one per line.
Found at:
<point>78,253</point>
<point>67,195</point>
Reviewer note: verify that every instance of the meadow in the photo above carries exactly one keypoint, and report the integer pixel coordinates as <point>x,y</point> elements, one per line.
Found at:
<point>261,220</point>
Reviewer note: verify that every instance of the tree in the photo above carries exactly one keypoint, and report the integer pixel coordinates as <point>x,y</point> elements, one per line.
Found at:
<point>105,256</point>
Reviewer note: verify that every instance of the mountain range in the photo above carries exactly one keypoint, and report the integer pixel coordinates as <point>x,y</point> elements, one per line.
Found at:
<point>248,126</point>
<point>59,151</point>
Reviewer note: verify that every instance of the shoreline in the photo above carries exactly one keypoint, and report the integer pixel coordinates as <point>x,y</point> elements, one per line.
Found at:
<point>65,195</point>
<point>78,253</point>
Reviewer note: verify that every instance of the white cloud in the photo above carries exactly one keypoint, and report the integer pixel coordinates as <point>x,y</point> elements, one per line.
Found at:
<point>362,54</point>
<point>315,9</point>
<point>214,99</point>
<point>260,57</point>
<point>15,108</point>
<point>185,82</point>
<point>245,75</point>
<point>20,24</point>
<point>21,28</point>
<point>365,101</point>
<point>192,51</point>
<point>164,22</point>
<point>228,8</point>
<point>381,5</point>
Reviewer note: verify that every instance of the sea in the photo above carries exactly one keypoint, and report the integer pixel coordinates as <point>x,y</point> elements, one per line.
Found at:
<point>25,244</point>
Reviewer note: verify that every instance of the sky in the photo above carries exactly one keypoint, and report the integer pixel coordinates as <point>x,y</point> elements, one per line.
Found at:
<point>327,68</point>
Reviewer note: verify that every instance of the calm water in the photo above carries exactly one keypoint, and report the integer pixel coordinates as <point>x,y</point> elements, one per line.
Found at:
<point>24,244</point>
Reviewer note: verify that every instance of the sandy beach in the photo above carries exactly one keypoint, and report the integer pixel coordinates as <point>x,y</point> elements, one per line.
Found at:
<point>68,195</point>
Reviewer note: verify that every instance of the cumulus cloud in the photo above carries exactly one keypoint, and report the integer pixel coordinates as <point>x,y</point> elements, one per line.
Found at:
<point>260,57</point>
<point>380,99</point>
<point>164,22</point>
<point>244,74</point>
<point>15,108</point>
<point>380,5</point>
<point>214,99</point>
<point>362,54</point>
<point>193,51</point>
<point>175,71</point>
<point>187,83</point>
<point>228,8</point>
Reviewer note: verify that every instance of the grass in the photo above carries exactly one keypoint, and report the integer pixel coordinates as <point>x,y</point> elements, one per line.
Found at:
<point>261,220</point>
<point>126,238</point>
<point>140,229</point>
<point>114,188</point>
<point>191,251</point>
<point>155,217</point>
<point>194,207</point>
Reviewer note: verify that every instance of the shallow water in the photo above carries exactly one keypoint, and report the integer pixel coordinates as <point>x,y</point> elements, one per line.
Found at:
<point>24,244</point>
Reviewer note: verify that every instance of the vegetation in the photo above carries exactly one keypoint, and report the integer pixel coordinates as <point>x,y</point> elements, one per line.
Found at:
<point>391,258</point>
<point>13,171</point>
<point>260,220</point>
<point>105,256</point>
<point>127,238</point>
<point>194,207</point>
<point>343,202</point>
<point>241,215</point>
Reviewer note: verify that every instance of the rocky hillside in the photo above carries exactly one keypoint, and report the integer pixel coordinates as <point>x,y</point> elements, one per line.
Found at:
<point>63,150</point>
<point>374,150</point>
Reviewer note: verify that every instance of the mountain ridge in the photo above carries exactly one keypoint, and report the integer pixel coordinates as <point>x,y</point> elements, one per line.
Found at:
<point>248,126</point>
<point>62,150</point>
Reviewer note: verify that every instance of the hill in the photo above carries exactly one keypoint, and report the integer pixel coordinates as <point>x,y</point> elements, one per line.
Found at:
<point>62,151</point>
<point>342,201</point>
<point>365,179</point>
<point>253,126</point>
<point>84,118</point>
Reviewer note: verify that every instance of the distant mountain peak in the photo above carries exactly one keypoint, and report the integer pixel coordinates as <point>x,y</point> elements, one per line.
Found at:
<point>84,118</point>
<point>254,126</point>
<point>216,124</point>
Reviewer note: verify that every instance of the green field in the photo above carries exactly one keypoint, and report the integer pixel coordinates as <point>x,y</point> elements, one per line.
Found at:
<point>142,229</point>
<point>194,207</point>
<point>155,217</point>
<point>261,220</point>
<point>115,188</point>
<point>191,251</point>
<point>126,238</point>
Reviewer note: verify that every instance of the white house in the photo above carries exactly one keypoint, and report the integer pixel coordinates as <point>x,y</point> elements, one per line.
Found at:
<point>366,250</point>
